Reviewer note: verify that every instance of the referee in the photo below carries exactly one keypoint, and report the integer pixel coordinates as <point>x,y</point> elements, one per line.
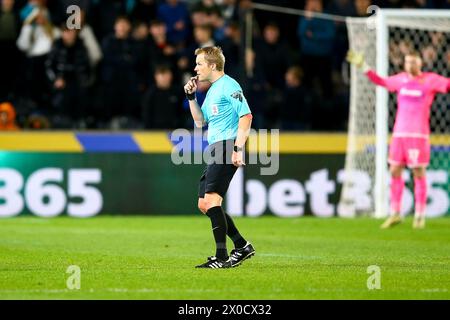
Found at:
<point>229,118</point>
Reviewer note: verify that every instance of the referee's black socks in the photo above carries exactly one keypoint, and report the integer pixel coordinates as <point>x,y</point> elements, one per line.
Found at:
<point>219,228</point>
<point>233,233</point>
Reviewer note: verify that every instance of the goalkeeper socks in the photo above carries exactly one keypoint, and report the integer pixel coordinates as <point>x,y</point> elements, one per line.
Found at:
<point>233,233</point>
<point>397,186</point>
<point>219,228</point>
<point>420,195</point>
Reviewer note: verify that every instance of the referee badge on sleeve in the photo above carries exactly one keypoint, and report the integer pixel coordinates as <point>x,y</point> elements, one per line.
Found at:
<point>237,95</point>
<point>214,110</point>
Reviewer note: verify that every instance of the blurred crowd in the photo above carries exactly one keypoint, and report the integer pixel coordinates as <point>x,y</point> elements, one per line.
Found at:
<point>126,65</point>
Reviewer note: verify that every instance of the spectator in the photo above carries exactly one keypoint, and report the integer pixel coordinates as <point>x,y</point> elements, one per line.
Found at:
<point>37,33</point>
<point>36,40</point>
<point>175,15</point>
<point>438,40</point>
<point>37,121</point>
<point>395,55</point>
<point>9,21</point>
<point>296,107</point>
<point>9,62</point>
<point>263,16</point>
<point>429,56</point>
<point>141,36</point>
<point>162,104</point>
<point>406,46</point>
<point>119,72</point>
<point>202,38</point>
<point>257,95</point>
<point>316,37</point>
<point>8,117</point>
<point>272,56</point>
<point>104,13</point>
<point>397,52</point>
<point>231,47</point>
<point>162,52</point>
<point>199,18</point>
<point>68,69</point>
<point>207,6</point>
<point>219,25</point>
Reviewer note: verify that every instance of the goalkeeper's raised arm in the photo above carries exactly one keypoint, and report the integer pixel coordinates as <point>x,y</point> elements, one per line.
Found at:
<point>412,69</point>
<point>357,59</point>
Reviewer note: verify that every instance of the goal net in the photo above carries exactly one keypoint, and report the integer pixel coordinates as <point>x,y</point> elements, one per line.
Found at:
<point>384,39</point>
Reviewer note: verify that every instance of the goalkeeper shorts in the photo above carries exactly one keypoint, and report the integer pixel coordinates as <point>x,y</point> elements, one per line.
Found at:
<point>409,151</point>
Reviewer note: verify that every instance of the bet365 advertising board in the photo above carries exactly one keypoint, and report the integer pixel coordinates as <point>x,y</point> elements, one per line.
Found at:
<point>138,173</point>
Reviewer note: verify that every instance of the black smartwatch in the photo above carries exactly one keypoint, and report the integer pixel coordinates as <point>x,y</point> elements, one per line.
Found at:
<point>237,149</point>
<point>190,96</point>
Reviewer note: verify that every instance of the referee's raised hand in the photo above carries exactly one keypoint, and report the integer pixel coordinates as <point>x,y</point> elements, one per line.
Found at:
<point>190,88</point>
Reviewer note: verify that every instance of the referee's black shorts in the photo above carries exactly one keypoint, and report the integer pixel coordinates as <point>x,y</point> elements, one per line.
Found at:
<point>220,169</point>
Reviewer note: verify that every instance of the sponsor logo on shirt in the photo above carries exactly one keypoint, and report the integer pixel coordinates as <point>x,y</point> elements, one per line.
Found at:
<point>411,92</point>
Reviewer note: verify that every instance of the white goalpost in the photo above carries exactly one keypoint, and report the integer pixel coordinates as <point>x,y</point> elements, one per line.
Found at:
<point>384,39</point>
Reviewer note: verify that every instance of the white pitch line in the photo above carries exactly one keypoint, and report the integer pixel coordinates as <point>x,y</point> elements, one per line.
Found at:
<point>384,290</point>
<point>122,290</point>
<point>288,256</point>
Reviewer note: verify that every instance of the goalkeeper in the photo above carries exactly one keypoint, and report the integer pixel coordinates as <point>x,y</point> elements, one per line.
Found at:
<point>410,144</point>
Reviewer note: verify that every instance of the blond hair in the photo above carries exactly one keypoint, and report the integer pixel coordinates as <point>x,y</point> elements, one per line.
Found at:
<point>213,55</point>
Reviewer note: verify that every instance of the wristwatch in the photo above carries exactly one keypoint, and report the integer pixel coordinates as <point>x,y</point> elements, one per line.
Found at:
<point>237,149</point>
<point>190,96</point>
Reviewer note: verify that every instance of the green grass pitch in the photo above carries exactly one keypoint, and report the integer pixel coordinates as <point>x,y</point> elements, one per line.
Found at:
<point>154,258</point>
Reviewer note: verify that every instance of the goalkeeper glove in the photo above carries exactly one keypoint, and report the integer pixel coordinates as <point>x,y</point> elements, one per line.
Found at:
<point>357,59</point>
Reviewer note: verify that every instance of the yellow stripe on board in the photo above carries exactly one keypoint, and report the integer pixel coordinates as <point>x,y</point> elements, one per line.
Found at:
<point>313,143</point>
<point>158,142</point>
<point>440,140</point>
<point>40,142</point>
<point>321,143</point>
<point>153,142</point>
<point>299,143</point>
